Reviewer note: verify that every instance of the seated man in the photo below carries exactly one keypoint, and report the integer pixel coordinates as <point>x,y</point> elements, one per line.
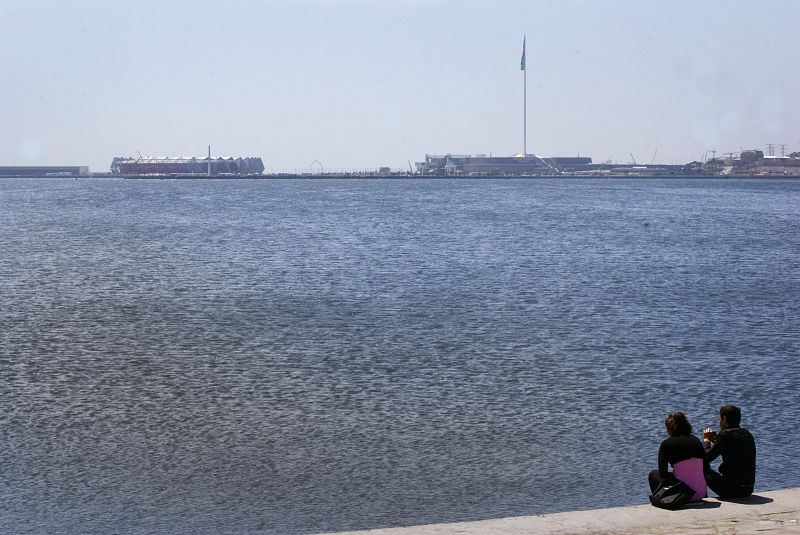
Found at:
<point>737,472</point>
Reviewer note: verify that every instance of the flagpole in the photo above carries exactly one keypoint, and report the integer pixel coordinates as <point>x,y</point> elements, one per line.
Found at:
<point>524,66</point>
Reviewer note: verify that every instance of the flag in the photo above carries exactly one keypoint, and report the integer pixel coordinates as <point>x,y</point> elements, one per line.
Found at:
<point>522,61</point>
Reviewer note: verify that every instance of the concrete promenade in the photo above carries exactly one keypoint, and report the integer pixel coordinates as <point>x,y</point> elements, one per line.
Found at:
<point>764,513</point>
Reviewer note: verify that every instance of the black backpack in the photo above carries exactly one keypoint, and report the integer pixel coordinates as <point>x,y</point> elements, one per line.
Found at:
<point>672,495</point>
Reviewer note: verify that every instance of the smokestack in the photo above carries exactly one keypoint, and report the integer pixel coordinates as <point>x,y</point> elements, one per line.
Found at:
<point>209,160</point>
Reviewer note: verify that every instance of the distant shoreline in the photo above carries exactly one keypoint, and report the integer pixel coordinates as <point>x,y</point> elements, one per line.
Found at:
<point>359,176</point>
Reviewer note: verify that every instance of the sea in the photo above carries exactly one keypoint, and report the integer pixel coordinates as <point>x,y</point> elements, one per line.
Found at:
<point>302,356</point>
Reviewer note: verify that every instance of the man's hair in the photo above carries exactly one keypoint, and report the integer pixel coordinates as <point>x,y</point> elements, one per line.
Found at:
<point>677,424</point>
<point>732,414</point>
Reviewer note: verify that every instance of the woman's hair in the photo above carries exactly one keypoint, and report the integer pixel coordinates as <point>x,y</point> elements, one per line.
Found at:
<point>677,424</point>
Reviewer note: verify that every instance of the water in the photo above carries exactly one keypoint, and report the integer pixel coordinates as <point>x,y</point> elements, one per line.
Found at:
<point>290,357</point>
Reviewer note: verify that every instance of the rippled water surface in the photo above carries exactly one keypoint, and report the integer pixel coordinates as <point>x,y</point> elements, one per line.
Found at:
<point>290,357</point>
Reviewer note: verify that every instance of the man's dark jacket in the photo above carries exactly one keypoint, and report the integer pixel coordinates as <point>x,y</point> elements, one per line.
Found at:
<point>738,450</point>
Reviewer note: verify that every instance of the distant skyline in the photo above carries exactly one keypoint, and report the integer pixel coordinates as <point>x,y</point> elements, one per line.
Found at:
<point>358,84</point>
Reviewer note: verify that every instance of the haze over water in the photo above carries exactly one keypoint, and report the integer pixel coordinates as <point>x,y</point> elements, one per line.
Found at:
<point>290,357</point>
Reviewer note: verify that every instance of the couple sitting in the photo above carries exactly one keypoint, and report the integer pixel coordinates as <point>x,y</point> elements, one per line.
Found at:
<point>691,460</point>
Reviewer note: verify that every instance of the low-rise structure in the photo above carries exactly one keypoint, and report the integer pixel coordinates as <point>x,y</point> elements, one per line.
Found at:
<point>482,165</point>
<point>43,170</point>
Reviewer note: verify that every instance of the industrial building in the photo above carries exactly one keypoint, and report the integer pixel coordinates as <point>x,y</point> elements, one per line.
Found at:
<point>43,171</point>
<point>194,165</point>
<point>482,165</point>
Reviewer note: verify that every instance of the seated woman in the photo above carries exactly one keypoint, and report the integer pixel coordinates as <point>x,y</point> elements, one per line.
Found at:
<point>685,453</point>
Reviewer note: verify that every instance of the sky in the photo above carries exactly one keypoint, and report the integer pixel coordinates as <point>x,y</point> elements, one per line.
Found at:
<point>359,84</point>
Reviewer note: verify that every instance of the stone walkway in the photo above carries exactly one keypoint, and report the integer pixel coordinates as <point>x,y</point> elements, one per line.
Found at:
<point>775,512</point>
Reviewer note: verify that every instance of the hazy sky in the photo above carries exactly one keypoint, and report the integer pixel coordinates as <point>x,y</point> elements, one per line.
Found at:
<point>364,83</point>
